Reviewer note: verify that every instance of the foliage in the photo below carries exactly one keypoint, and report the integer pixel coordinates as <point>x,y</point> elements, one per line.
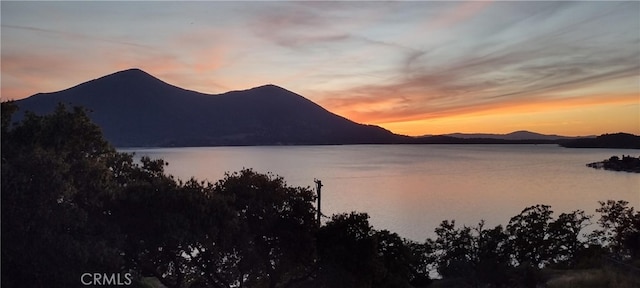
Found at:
<point>375,258</point>
<point>474,255</point>
<point>347,234</point>
<point>620,229</point>
<point>536,238</point>
<point>529,237</point>
<point>55,181</point>
<point>498,257</point>
<point>269,233</point>
<point>72,204</point>
<point>159,220</point>
<point>566,243</point>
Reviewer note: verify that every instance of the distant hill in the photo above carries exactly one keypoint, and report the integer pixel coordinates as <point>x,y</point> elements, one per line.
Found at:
<point>616,140</point>
<point>135,109</point>
<point>517,135</point>
<point>444,139</point>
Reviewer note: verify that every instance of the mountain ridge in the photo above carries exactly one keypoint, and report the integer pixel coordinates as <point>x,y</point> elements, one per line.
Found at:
<point>515,135</point>
<point>136,109</point>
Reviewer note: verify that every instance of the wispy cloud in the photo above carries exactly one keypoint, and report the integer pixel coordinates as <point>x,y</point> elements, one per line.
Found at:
<point>72,36</point>
<point>526,68</point>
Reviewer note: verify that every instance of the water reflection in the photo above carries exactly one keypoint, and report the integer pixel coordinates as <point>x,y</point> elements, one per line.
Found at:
<point>410,189</point>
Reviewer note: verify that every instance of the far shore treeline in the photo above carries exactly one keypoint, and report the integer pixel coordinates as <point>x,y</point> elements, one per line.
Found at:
<point>72,206</point>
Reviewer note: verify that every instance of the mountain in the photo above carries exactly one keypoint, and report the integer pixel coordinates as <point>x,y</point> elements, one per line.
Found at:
<point>517,135</point>
<point>135,109</point>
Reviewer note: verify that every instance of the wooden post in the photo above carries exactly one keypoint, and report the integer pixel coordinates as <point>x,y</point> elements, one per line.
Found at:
<point>318,189</point>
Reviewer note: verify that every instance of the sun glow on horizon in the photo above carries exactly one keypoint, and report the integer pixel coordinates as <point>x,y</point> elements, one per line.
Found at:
<point>568,119</point>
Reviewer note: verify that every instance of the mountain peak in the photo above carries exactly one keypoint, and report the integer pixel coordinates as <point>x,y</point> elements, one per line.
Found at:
<point>133,73</point>
<point>269,87</point>
<point>522,133</point>
<point>130,82</point>
<point>131,70</point>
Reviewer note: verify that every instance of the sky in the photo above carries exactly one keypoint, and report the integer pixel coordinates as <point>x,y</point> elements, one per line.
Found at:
<point>415,68</point>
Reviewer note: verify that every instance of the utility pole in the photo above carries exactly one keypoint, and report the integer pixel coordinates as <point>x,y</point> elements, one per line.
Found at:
<point>318,188</point>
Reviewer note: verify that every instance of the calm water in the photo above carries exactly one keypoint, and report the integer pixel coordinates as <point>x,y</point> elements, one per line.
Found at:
<point>410,189</point>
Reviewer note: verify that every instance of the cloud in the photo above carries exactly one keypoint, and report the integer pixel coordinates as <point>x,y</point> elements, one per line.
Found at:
<point>546,64</point>
<point>478,83</point>
<point>461,12</point>
<point>297,25</point>
<point>294,26</point>
<point>73,36</point>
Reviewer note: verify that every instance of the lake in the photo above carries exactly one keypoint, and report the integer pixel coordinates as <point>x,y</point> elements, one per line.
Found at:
<point>410,189</point>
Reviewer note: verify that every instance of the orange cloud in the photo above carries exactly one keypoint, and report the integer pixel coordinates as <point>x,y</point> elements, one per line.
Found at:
<point>389,110</point>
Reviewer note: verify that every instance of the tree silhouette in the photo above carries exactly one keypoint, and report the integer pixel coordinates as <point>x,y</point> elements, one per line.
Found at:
<point>55,179</point>
<point>272,233</point>
<point>620,228</point>
<point>564,232</point>
<point>529,237</point>
<point>347,234</point>
<point>475,255</point>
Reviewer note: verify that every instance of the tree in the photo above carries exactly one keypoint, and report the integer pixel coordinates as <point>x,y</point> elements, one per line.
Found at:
<point>564,233</point>
<point>421,263</point>
<point>620,228</point>
<point>268,241</point>
<point>72,204</point>
<point>474,255</point>
<point>161,220</point>
<point>454,249</point>
<point>537,240</point>
<point>494,265</point>
<point>528,235</point>
<point>353,254</point>
<point>55,179</point>
<point>347,234</point>
<point>400,263</point>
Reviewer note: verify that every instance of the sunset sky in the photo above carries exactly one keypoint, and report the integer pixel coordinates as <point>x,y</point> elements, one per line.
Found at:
<point>570,68</point>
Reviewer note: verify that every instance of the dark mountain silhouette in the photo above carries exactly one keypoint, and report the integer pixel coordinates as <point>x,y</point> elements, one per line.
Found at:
<point>444,139</point>
<point>136,109</point>
<point>517,135</point>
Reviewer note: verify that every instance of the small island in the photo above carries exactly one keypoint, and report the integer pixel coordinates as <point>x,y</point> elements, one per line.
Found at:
<point>627,164</point>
